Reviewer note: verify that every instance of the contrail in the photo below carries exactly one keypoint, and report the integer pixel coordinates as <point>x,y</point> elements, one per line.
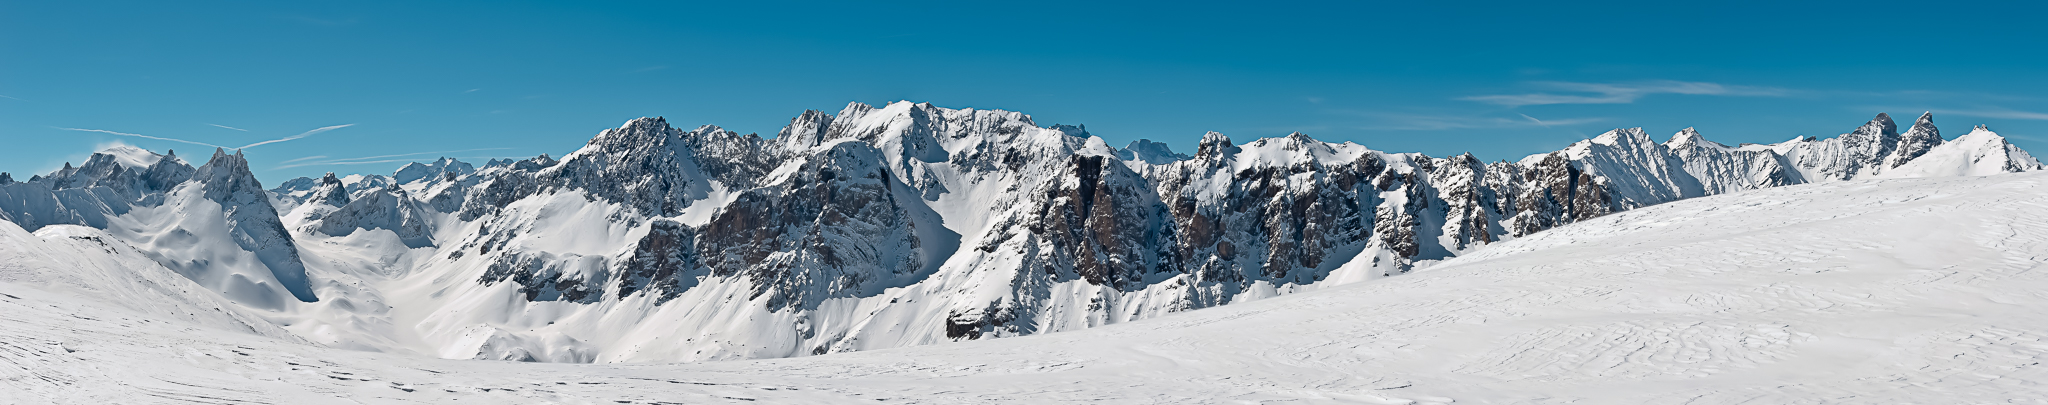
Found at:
<point>139,136</point>
<point>294,137</point>
<point>229,127</point>
<point>305,159</point>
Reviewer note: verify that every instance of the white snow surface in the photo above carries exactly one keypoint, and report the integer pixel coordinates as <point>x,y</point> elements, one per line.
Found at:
<point>1864,291</point>
<point>411,278</point>
<point>1979,153</point>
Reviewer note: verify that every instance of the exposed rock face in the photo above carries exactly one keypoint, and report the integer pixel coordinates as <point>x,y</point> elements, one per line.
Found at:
<point>252,223</point>
<point>444,167</point>
<point>1858,153</point>
<point>1557,193</point>
<point>910,224</point>
<point>1145,150</point>
<point>832,227</point>
<point>213,224</point>
<point>655,168</point>
<point>329,191</point>
<point>1917,141</point>
<point>1471,204</point>
<point>663,263</point>
<point>1722,169</point>
<point>545,276</point>
<point>108,185</point>
<point>388,208</point>
<point>1064,232</point>
<point>1245,219</point>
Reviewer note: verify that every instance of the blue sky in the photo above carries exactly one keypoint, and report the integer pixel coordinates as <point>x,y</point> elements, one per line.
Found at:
<point>476,80</point>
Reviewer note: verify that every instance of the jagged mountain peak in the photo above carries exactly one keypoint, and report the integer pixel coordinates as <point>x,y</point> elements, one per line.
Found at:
<point>980,222</point>
<point>529,164</point>
<point>641,135</point>
<point>1623,137</point>
<point>1689,138</point>
<point>1080,131</point>
<point>805,131</point>
<point>226,174</point>
<point>1214,144</point>
<point>905,119</point>
<point>1879,130</point>
<point>1293,141</point>
<point>390,207</point>
<point>645,123</point>
<point>330,191</point>
<point>1145,150</point>
<point>645,163</point>
<point>437,169</point>
<point>1922,137</point>
<point>1978,153</point>
<point>130,156</point>
<point>855,109</point>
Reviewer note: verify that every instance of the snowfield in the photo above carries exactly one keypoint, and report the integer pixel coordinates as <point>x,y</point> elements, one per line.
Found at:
<point>1861,291</point>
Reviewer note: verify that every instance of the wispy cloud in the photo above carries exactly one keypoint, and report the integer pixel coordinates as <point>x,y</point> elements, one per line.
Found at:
<point>229,127</point>
<point>650,69</point>
<point>323,160</point>
<point>1620,93</point>
<point>296,137</point>
<point>470,91</point>
<point>139,136</point>
<point>1997,113</point>
<point>11,97</point>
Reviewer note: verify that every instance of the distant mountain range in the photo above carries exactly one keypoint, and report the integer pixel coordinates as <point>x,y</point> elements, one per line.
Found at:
<point>877,227</point>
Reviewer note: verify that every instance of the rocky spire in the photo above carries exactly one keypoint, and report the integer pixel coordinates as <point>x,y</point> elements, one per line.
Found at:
<point>252,222</point>
<point>167,172</point>
<point>1917,141</point>
<point>1214,144</point>
<point>645,163</point>
<point>6,178</point>
<point>805,130</point>
<point>1874,140</point>
<point>330,191</point>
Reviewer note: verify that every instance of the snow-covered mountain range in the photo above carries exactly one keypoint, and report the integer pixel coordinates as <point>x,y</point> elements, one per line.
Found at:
<point>875,228</point>
<point>1905,291</point>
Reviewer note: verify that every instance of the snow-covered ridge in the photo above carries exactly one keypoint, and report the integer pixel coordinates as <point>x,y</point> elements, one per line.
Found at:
<point>1928,292</point>
<point>913,224</point>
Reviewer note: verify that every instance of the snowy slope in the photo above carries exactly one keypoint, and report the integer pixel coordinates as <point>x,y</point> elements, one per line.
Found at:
<point>881,227</point>
<point>1888,291</point>
<point>1979,153</point>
